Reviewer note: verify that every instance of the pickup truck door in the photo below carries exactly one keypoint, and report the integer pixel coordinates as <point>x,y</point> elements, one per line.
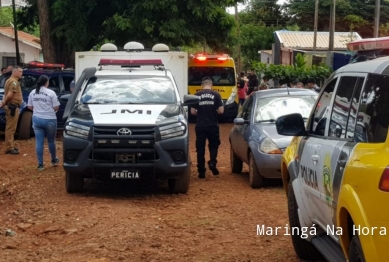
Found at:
<point>86,74</point>
<point>336,149</point>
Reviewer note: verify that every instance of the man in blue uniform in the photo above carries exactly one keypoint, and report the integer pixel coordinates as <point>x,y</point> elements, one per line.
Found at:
<point>207,126</point>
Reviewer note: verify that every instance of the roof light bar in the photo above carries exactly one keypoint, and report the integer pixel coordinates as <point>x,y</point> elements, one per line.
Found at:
<point>369,44</point>
<point>127,62</point>
<point>35,64</point>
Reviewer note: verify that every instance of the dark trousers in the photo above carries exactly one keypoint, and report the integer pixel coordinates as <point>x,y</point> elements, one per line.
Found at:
<point>202,134</point>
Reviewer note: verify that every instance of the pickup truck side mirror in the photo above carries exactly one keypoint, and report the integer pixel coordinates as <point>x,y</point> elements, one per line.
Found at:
<point>291,125</point>
<point>191,100</point>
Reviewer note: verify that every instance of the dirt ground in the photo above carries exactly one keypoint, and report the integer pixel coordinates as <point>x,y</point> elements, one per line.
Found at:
<point>215,221</point>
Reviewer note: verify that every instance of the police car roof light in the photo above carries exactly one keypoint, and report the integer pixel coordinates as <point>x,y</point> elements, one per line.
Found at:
<point>133,46</point>
<point>369,44</point>
<point>127,62</point>
<point>108,48</point>
<point>36,64</point>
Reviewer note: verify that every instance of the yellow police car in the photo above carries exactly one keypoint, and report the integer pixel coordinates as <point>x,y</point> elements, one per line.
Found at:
<point>336,169</point>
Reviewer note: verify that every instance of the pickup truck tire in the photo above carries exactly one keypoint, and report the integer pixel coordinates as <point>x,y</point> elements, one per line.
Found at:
<point>181,184</point>
<point>74,182</point>
<point>24,129</point>
<point>235,162</point>
<point>255,178</point>
<point>304,249</point>
<point>355,251</point>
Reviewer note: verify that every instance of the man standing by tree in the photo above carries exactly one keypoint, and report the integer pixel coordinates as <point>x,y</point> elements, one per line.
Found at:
<point>12,100</point>
<point>207,126</point>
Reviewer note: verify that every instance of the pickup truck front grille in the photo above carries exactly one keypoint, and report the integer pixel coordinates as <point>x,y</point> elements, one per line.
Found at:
<point>133,145</point>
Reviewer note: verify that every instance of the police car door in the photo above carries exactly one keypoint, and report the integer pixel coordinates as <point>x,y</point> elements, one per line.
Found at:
<point>311,161</point>
<point>329,153</point>
<point>339,144</point>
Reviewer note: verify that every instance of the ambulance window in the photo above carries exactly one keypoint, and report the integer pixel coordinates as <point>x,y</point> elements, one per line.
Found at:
<point>373,114</point>
<point>341,109</point>
<point>321,112</point>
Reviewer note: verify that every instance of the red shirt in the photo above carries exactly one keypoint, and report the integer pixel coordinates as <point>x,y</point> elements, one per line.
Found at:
<point>242,91</point>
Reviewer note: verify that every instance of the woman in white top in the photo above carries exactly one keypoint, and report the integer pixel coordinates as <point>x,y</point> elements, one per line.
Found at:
<point>44,104</point>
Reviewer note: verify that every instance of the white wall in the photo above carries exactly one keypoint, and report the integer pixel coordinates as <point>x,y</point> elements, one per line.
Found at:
<point>266,58</point>
<point>7,45</point>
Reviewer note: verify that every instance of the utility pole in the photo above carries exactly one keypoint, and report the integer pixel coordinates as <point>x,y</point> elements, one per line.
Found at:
<point>377,18</point>
<point>315,24</point>
<point>16,34</point>
<point>332,25</point>
<point>238,31</point>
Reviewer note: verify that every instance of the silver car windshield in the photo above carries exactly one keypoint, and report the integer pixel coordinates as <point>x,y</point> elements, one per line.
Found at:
<point>129,90</point>
<point>270,108</point>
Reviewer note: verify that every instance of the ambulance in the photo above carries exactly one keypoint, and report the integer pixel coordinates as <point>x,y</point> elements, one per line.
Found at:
<point>368,49</point>
<point>221,68</point>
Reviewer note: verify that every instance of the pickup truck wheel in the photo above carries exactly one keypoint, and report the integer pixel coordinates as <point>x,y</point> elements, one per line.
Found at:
<point>24,129</point>
<point>235,162</point>
<point>255,178</point>
<point>181,184</point>
<point>304,249</point>
<point>356,252</point>
<point>74,182</point>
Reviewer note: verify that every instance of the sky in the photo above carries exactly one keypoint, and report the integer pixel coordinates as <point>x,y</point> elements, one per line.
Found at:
<point>231,10</point>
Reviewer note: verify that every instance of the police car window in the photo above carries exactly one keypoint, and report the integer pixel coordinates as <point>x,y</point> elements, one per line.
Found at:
<point>220,75</point>
<point>129,90</point>
<point>54,84</point>
<point>66,82</point>
<point>373,113</point>
<point>246,111</point>
<point>28,82</point>
<point>341,108</point>
<point>321,113</point>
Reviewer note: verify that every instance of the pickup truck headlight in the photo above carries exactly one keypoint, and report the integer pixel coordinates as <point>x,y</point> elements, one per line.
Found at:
<point>73,129</point>
<point>231,99</point>
<point>267,146</point>
<point>172,130</point>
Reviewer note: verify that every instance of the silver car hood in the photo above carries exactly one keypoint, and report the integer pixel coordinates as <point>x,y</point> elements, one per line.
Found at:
<point>271,131</point>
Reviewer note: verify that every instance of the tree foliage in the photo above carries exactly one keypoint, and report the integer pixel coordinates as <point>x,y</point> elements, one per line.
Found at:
<point>6,16</point>
<point>80,25</point>
<point>355,14</point>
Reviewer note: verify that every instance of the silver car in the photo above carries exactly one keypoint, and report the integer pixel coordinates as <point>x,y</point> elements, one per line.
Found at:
<point>254,139</point>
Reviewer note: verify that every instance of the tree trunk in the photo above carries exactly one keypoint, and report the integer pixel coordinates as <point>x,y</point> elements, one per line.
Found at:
<point>47,42</point>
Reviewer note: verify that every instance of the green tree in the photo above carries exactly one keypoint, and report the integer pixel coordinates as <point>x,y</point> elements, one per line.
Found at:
<point>6,16</point>
<point>301,12</point>
<point>79,25</point>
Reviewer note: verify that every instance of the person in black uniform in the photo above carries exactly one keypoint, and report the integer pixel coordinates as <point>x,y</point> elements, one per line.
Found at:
<point>207,126</point>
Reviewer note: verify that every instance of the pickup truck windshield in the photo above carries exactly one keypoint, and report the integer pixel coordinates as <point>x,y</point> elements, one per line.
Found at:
<point>129,90</point>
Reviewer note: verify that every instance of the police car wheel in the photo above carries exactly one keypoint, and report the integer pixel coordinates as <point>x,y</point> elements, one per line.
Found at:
<point>24,129</point>
<point>304,249</point>
<point>235,162</point>
<point>181,184</point>
<point>74,182</point>
<point>355,251</point>
<point>255,178</point>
